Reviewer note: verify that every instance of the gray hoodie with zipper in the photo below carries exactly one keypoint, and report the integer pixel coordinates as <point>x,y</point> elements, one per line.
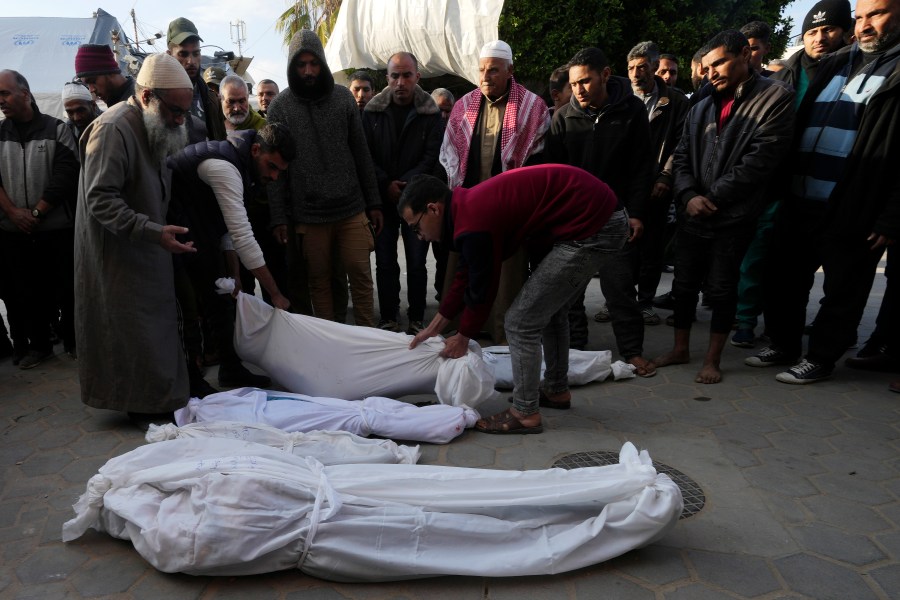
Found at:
<point>333,176</point>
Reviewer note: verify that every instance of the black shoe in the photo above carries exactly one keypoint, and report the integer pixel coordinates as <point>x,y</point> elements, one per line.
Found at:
<point>664,301</point>
<point>874,358</point>
<point>770,356</point>
<point>805,372</point>
<point>240,376</point>
<point>200,388</point>
<point>34,358</point>
<point>17,355</point>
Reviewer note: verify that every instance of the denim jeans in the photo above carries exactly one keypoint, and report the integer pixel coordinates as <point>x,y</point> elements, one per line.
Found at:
<point>617,284</point>
<point>539,314</point>
<point>387,270</point>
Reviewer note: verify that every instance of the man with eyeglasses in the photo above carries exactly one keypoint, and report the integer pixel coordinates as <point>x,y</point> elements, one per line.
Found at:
<point>566,221</point>
<point>184,44</point>
<point>404,130</point>
<point>130,355</point>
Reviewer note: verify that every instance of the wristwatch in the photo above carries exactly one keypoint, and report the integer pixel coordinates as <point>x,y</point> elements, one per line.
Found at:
<point>36,213</point>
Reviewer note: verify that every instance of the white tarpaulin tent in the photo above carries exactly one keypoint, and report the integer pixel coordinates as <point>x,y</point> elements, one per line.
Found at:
<point>435,424</point>
<point>445,35</point>
<point>43,50</point>
<point>228,507</point>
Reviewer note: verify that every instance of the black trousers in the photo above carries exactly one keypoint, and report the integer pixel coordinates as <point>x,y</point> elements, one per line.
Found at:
<point>713,263</point>
<point>799,248</point>
<point>38,273</point>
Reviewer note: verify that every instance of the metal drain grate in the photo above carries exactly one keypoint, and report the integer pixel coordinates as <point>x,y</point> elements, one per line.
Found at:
<point>694,498</point>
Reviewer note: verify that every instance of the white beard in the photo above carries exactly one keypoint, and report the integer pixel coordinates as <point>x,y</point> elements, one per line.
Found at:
<point>164,141</point>
<point>237,118</point>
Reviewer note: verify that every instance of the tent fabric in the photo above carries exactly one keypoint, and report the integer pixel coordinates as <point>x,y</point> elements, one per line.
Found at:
<point>313,356</point>
<point>585,366</point>
<point>435,424</point>
<point>327,447</point>
<point>446,37</point>
<point>43,50</point>
<point>228,507</point>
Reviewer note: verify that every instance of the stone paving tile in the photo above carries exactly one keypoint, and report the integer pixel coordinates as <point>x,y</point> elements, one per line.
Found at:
<point>846,515</point>
<point>822,579</point>
<point>697,591</point>
<point>108,575</point>
<point>860,466</point>
<point>852,488</point>
<point>607,584</point>
<point>48,564</point>
<point>658,565</point>
<point>837,544</point>
<point>174,586</point>
<point>45,463</point>
<point>780,481</point>
<point>888,579</point>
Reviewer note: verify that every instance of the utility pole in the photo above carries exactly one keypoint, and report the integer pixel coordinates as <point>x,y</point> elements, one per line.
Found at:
<point>238,34</point>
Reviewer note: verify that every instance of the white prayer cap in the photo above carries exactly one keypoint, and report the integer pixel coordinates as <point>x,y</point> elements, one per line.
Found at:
<point>163,72</point>
<point>496,49</point>
<point>76,91</point>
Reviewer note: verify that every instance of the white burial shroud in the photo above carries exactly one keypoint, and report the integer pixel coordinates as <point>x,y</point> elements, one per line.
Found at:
<point>436,424</point>
<point>323,358</point>
<point>229,507</point>
<point>327,447</point>
<point>585,366</point>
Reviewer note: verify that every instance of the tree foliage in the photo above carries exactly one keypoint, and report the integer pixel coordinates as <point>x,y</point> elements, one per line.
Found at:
<point>545,34</point>
<point>316,15</point>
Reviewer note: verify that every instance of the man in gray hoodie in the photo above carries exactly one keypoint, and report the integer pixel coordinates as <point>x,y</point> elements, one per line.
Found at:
<point>328,207</point>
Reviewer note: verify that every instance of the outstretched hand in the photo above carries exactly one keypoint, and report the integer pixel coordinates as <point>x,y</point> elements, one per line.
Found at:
<point>171,244</point>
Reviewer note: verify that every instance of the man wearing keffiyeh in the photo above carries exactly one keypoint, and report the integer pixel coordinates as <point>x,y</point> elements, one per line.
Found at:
<point>495,128</point>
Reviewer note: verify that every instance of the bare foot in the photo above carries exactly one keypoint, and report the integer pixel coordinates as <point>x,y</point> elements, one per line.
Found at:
<point>709,373</point>
<point>642,366</point>
<point>675,357</point>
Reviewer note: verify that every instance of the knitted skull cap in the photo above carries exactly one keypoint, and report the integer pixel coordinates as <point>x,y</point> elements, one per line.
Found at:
<point>496,49</point>
<point>163,72</point>
<point>95,59</point>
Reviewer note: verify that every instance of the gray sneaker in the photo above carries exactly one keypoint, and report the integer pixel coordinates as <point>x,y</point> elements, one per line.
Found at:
<point>602,315</point>
<point>389,326</point>
<point>769,357</point>
<point>415,327</point>
<point>650,317</point>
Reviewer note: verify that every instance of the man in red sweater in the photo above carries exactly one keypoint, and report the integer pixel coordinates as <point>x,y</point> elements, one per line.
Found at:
<point>570,223</point>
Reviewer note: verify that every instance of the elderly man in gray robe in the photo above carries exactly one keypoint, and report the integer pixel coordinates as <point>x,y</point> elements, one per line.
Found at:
<point>130,356</point>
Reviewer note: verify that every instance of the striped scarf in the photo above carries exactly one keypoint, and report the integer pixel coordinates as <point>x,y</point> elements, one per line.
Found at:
<point>525,123</point>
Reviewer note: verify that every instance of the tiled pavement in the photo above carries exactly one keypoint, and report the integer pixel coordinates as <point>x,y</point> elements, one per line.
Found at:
<point>802,489</point>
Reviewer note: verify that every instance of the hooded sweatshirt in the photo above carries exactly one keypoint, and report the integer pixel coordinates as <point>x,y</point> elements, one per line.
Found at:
<point>333,176</point>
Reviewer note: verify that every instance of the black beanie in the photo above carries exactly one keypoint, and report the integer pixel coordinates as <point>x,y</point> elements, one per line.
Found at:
<point>828,12</point>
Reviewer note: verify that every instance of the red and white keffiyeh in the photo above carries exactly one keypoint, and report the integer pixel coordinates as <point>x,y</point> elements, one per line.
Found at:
<point>525,124</point>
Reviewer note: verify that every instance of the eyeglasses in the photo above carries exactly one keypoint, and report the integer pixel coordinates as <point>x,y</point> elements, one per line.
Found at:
<point>175,110</point>
<point>415,226</point>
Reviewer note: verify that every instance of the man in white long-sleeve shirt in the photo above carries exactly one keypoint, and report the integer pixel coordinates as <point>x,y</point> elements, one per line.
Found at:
<point>214,180</point>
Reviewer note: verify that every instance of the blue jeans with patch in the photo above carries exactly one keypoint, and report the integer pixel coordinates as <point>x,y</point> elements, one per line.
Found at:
<point>539,314</point>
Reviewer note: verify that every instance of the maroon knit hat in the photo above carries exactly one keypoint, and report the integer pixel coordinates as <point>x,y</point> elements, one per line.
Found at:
<point>95,59</point>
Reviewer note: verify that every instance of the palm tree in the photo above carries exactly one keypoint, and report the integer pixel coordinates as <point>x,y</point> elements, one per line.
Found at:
<point>317,15</point>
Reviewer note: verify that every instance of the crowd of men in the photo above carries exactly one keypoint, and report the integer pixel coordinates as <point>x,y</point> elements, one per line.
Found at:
<point>114,232</point>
